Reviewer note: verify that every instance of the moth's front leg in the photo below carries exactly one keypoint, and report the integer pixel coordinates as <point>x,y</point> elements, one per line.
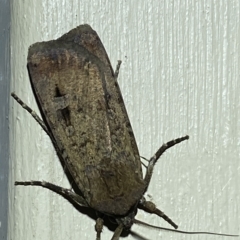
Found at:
<point>117,232</point>
<point>98,228</point>
<point>150,207</point>
<point>67,193</point>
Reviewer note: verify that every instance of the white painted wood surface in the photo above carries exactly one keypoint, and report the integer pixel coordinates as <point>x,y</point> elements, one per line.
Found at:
<point>180,75</point>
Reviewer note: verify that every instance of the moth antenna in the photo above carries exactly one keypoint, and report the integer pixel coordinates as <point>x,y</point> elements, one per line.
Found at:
<point>117,69</point>
<point>185,232</point>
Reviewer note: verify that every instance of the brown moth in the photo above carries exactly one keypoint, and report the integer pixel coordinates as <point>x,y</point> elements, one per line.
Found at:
<point>84,115</point>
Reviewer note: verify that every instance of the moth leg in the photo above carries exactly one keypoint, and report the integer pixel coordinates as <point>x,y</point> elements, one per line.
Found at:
<point>157,155</point>
<point>39,121</point>
<point>117,232</point>
<point>117,69</point>
<point>33,113</point>
<point>99,227</point>
<point>79,200</point>
<point>150,207</point>
<point>145,160</point>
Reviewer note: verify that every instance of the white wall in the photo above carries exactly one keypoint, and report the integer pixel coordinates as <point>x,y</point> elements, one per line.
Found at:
<point>180,75</point>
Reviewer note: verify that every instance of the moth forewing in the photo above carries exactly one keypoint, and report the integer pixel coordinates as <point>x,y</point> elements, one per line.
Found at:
<point>84,111</point>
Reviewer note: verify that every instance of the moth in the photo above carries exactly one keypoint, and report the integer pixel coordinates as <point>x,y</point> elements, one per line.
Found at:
<point>85,117</point>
